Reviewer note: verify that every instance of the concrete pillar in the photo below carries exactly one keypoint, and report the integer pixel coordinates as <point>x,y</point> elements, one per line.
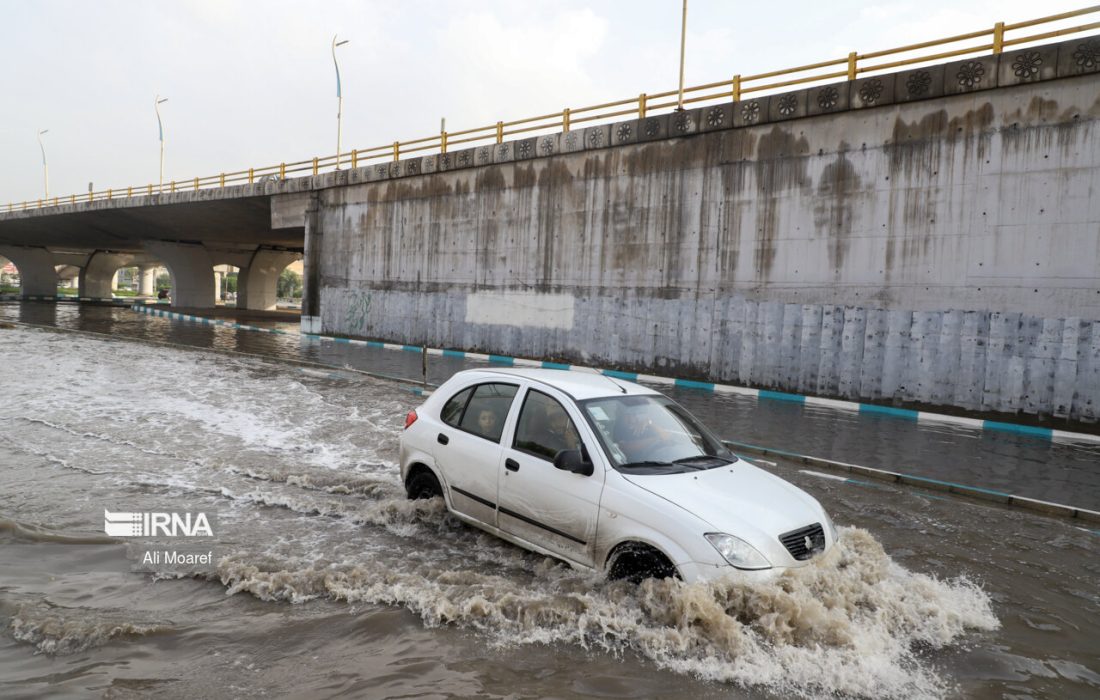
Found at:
<point>147,286</point>
<point>192,272</point>
<point>311,282</point>
<point>37,274</point>
<point>217,285</point>
<point>257,285</point>
<point>99,277</point>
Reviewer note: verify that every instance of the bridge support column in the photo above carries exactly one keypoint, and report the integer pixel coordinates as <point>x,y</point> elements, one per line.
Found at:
<point>192,272</point>
<point>37,274</point>
<point>311,278</point>
<point>258,284</point>
<point>99,277</point>
<point>147,287</point>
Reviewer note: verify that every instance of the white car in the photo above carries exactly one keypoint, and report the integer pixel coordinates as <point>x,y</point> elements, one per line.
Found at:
<point>605,475</point>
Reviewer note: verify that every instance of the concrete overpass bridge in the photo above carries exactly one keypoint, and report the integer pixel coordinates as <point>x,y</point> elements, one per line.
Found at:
<point>929,236</point>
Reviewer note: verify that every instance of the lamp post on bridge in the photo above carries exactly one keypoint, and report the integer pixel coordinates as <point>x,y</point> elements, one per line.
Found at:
<point>160,129</point>
<point>45,168</point>
<point>683,44</point>
<point>339,96</point>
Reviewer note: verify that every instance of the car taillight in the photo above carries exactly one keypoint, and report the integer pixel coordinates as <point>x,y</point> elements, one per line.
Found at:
<point>410,419</point>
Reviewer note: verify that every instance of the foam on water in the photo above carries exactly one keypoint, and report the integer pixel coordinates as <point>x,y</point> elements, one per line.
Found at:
<point>851,623</point>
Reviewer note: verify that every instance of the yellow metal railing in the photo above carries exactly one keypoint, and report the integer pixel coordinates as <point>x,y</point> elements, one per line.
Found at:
<point>854,65</point>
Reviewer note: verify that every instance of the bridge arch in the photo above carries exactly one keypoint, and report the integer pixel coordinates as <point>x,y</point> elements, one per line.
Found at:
<point>258,284</point>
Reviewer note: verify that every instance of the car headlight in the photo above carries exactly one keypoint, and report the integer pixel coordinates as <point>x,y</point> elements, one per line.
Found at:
<point>738,552</point>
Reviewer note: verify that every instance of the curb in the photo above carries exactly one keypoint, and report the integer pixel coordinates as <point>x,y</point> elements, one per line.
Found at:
<point>976,492</point>
<point>1046,434</point>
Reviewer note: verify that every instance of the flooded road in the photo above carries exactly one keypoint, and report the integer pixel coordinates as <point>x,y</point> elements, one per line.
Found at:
<point>328,581</point>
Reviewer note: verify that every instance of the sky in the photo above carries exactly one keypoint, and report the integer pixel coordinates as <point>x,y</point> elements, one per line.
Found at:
<point>252,83</point>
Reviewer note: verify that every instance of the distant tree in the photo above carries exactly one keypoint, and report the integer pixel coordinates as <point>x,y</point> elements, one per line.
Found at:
<point>231,283</point>
<point>164,281</point>
<point>290,285</point>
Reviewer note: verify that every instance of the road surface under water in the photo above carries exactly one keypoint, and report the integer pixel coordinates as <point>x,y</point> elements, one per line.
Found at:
<point>330,582</point>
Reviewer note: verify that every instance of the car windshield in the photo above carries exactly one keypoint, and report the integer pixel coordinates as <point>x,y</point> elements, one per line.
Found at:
<point>653,435</point>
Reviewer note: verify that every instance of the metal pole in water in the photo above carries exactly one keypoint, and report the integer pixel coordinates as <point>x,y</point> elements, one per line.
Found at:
<point>424,365</point>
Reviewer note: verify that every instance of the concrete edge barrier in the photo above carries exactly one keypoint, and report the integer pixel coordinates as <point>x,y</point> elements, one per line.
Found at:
<point>975,492</point>
<point>1047,434</point>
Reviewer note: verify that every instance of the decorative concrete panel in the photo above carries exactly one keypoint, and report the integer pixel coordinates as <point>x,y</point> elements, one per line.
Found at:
<point>1079,56</point>
<point>971,74</point>
<point>623,133</point>
<point>872,92</point>
<point>828,98</point>
<point>718,117</point>
<point>596,137</point>
<point>526,149</point>
<point>751,112</point>
<point>412,166</point>
<point>572,141</point>
<point>445,162</point>
<point>653,128</point>
<point>684,123</point>
<point>1028,65</point>
<point>919,84</point>
<point>483,155</point>
<point>791,105</point>
<point>549,145</point>
<point>430,164</point>
<point>378,171</point>
<point>464,158</point>
<point>504,152</point>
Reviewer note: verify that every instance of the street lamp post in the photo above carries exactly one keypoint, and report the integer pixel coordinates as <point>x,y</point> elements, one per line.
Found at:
<point>339,96</point>
<point>160,129</point>
<point>683,43</point>
<point>45,168</point>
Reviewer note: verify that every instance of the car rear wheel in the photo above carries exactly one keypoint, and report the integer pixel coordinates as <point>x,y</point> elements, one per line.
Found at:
<point>423,484</point>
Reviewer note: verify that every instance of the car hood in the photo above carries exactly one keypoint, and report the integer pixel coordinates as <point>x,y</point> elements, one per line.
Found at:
<point>738,499</point>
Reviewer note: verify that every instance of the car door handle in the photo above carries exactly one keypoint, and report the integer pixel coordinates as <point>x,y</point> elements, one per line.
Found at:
<point>511,465</point>
<point>442,439</point>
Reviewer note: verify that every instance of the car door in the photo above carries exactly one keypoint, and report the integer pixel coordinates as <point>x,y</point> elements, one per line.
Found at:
<point>555,509</point>
<point>468,446</point>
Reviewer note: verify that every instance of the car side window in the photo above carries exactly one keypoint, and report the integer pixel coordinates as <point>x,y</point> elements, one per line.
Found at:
<point>544,427</point>
<point>487,409</point>
<point>452,410</point>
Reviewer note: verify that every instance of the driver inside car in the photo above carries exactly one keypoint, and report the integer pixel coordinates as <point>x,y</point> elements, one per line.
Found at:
<point>560,433</point>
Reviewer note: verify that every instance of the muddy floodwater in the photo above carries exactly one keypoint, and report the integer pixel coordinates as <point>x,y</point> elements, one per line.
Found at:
<point>328,582</point>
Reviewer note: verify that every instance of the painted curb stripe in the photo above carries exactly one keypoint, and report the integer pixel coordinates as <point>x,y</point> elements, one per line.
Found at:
<point>903,413</point>
<point>1046,433</point>
<point>862,408</point>
<point>781,396</point>
<point>628,376</point>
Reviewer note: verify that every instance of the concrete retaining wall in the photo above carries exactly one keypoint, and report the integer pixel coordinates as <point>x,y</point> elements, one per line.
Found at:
<point>945,251</point>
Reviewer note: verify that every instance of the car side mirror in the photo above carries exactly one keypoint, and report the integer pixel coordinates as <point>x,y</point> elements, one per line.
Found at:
<point>573,461</point>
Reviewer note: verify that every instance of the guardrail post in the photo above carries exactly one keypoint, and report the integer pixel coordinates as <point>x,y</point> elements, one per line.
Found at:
<point>852,57</point>
<point>56,201</point>
<point>196,184</point>
<point>150,190</point>
<point>91,196</point>
<point>500,132</point>
<point>354,163</point>
<point>998,37</point>
<point>315,166</point>
<point>172,186</point>
<point>40,204</point>
<point>129,191</point>
<point>396,151</point>
<point>442,141</point>
<point>737,88</point>
<point>251,175</point>
<point>73,199</point>
<point>282,167</point>
<point>565,121</point>
<point>109,192</point>
<point>221,180</point>
<point>641,106</point>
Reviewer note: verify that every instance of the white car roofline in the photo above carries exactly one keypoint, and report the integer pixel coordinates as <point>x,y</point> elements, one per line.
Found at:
<point>638,389</point>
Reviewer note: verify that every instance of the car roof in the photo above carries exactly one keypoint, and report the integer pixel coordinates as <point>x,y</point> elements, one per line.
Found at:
<point>578,384</point>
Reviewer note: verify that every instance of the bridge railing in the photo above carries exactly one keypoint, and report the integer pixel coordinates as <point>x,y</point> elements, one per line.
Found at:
<point>996,39</point>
